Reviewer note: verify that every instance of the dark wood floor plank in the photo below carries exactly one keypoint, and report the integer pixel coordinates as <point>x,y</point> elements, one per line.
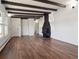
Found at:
<point>38,48</point>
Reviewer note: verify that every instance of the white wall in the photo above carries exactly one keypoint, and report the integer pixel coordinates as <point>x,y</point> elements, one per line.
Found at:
<point>41,22</point>
<point>64,25</point>
<point>28,27</point>
<point>31,26</point>
<point>5,17</point>
<point>15,27</point>
<point>25,28</point>
<point>37,27</point>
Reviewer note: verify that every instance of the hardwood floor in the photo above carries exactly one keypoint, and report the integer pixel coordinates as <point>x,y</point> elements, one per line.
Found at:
<point>38,48</point>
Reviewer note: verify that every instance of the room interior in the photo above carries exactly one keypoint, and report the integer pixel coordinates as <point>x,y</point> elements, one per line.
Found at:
<point>38,29</point>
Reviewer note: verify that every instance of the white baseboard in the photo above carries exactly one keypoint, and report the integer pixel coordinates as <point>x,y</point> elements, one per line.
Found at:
<point>4,44</point>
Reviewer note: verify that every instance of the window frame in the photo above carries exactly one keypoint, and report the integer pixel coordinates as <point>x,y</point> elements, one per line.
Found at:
<point>4,23</point>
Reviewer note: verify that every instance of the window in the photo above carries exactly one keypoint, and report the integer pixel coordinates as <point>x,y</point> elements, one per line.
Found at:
<point>1,31</point>
<point>0,19</point>
<point>6,30</point>
<point>3,26</point>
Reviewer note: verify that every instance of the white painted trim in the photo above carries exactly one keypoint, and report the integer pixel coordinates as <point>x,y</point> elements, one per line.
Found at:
<point>4,44</point>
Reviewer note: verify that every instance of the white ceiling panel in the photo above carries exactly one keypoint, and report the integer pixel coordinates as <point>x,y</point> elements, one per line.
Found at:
<point>60,1</point>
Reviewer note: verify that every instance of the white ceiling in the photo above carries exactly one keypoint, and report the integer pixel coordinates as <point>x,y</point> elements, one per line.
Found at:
<point>61,1</point>
<point>31,2</point>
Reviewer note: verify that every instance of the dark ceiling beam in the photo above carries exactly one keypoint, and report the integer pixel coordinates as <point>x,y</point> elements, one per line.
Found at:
<point>25,16</point>
<point>23,13</point>
<point>26,5</point>
<point>16,9</point>
<point>28,15</point>
<point>52,3</point>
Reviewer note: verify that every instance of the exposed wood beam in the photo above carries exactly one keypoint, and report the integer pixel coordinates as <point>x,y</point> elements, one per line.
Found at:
<point>52,3</point>
<point>25,16</point>
<point>16,9</point>
<point>23,13</point>
<point>29,15</point>
<point>26,5</point>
